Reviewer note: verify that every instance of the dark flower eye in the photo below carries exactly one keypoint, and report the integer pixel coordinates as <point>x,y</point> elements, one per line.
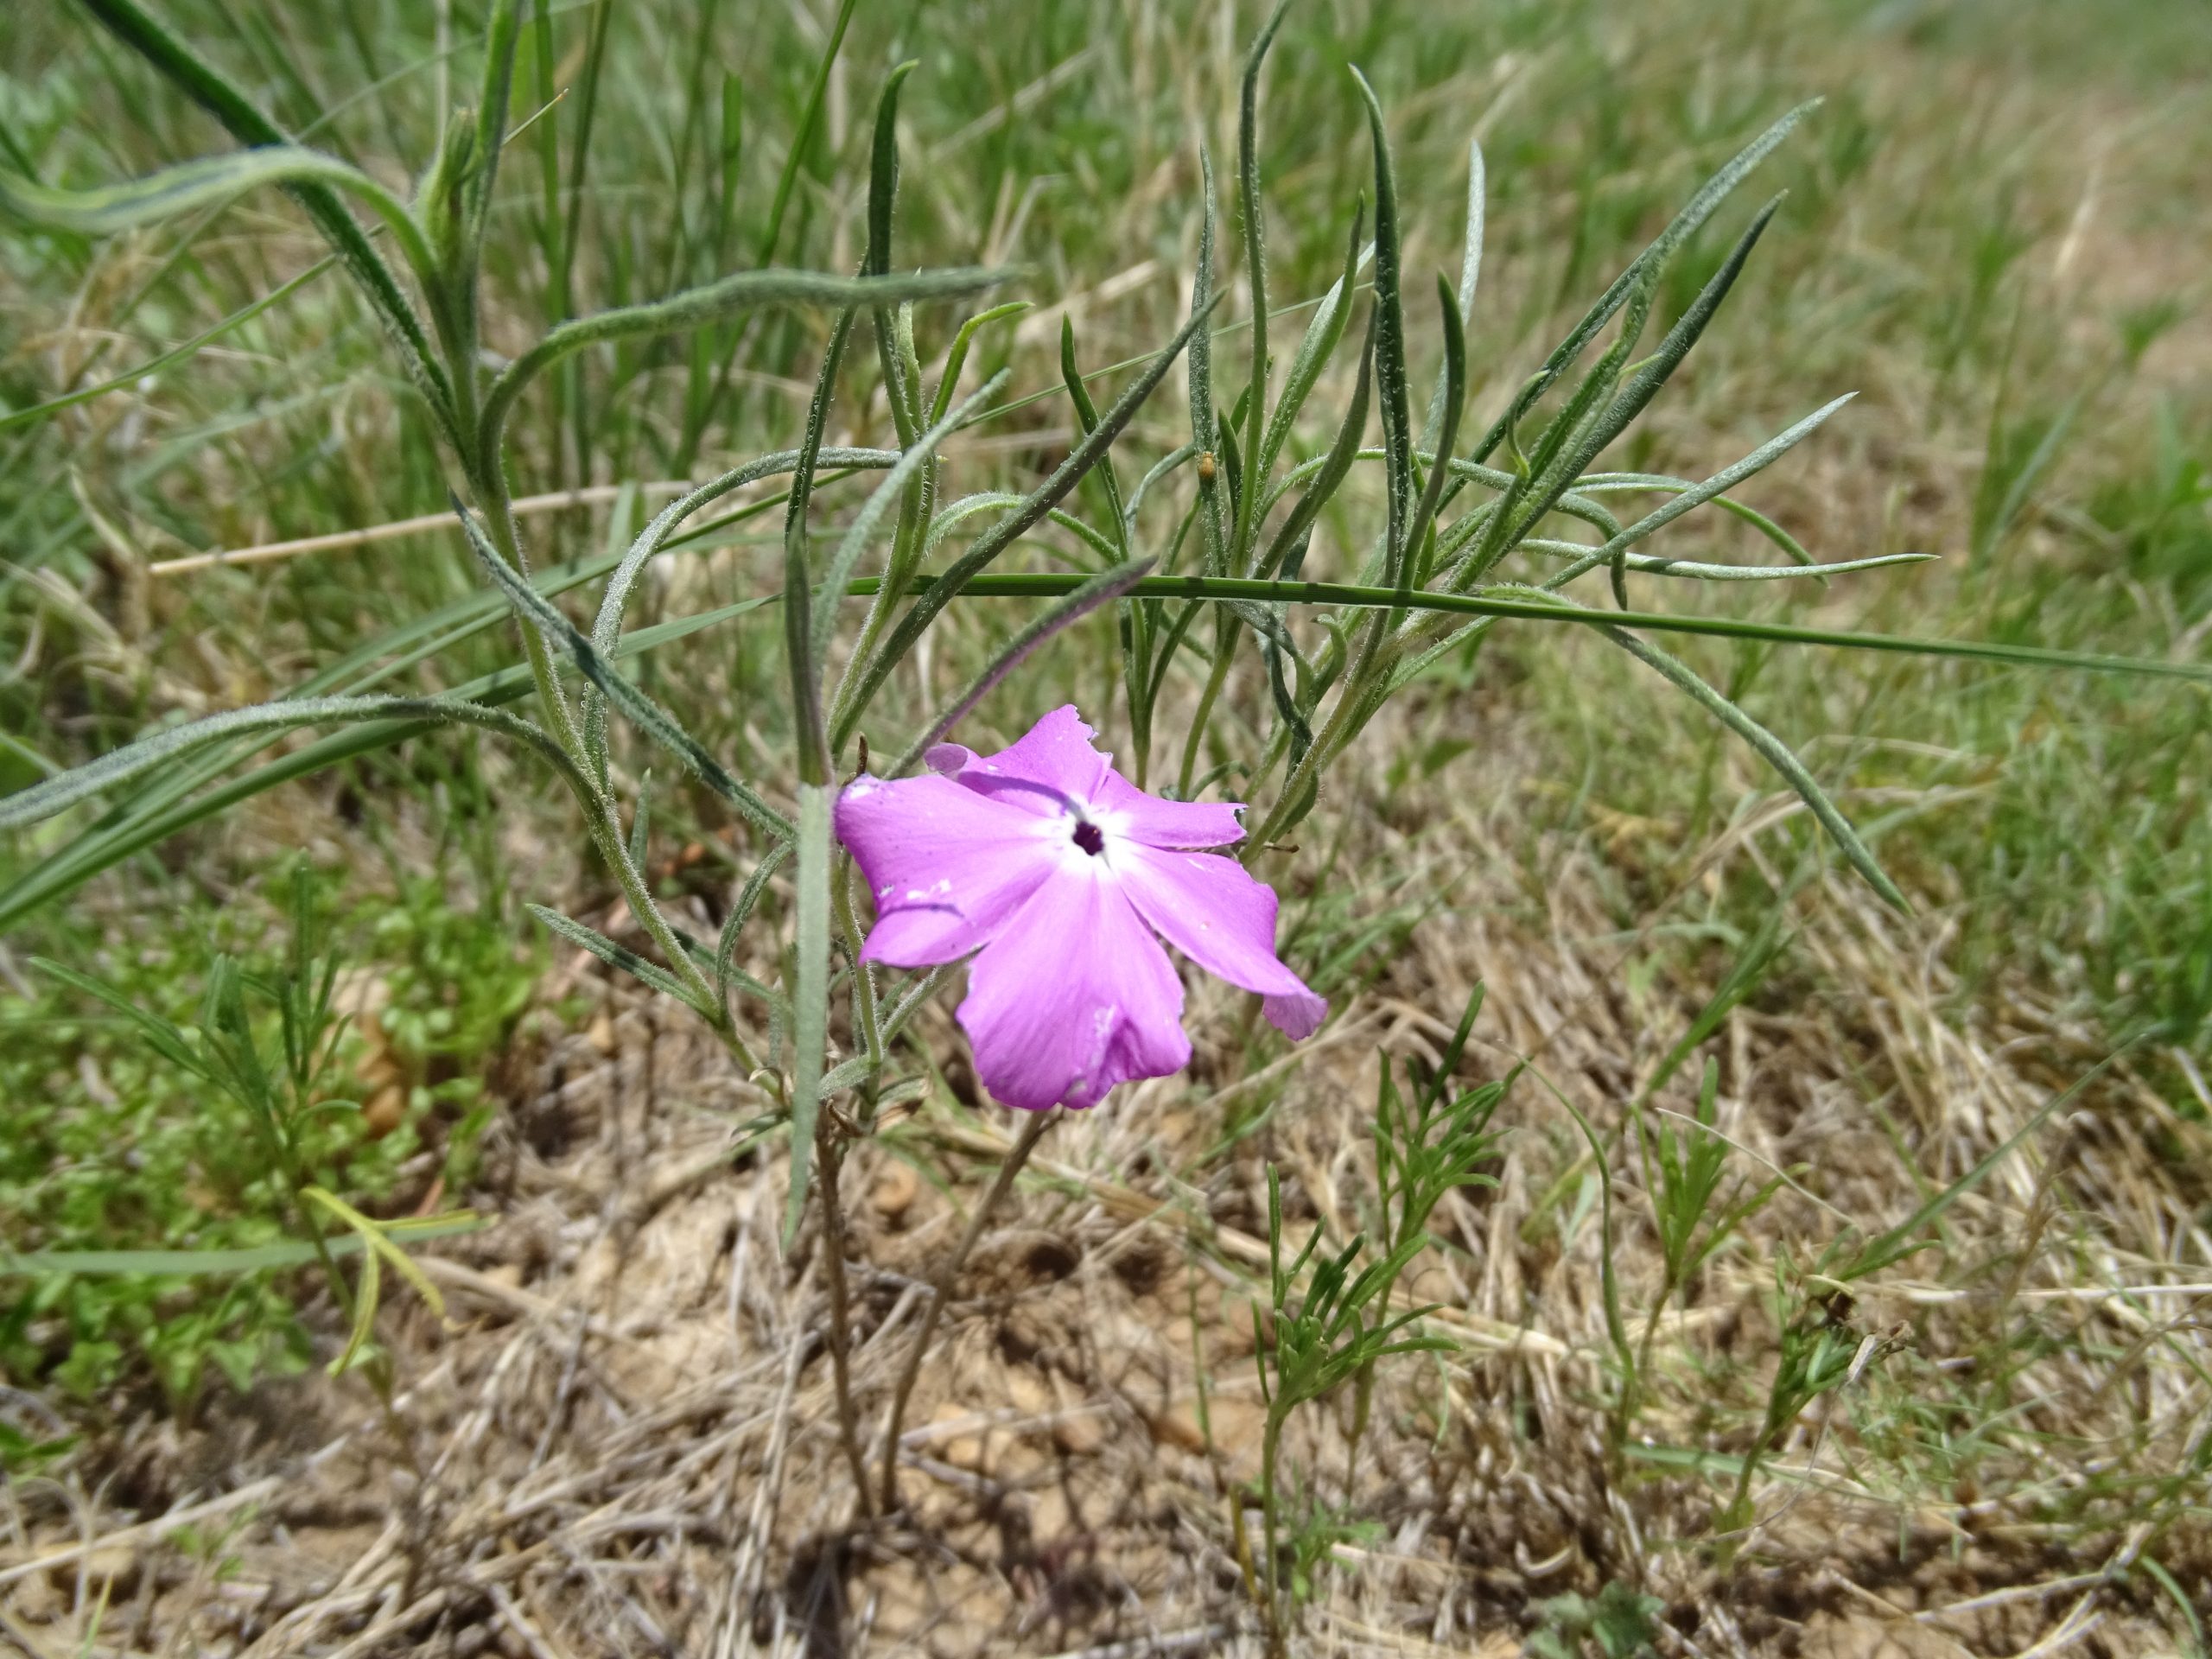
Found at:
<point>1090,837</point>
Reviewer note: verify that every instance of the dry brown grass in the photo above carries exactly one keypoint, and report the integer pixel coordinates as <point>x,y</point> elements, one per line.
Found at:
<point>626,1444</point>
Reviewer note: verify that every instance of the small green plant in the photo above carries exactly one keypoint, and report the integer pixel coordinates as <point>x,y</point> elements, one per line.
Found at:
<point>1318,1335</point>
<point>1683,1170</point>
<point>455,982</point>
<point>267,1048</point>
<point>1620,1623</point>
<point>1429,1141</point>
<point>1819,1350</point>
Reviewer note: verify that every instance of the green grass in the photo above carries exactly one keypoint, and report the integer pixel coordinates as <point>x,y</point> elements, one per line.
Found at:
<point>1991,233</point>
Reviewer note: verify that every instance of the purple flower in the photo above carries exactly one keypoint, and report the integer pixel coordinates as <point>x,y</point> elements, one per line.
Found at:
<point>1063,877</point>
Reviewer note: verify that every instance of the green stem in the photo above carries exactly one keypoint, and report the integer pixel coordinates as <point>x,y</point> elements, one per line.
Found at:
<point>1334,732</point>
<point>829,1149</point>
<point>602,818</point>
<point>1362,1401</point>
<point>948,1275</point>
<point>1225,653</point>
<point>1270,1574</point>
<point>865,1011</point>
<point>1632,1385</point>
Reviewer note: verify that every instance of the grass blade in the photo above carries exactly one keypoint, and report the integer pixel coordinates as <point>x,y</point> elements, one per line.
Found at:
<point>713,303</point>
<point>199,80</point>
<point>190,1264</point>
<point>175,355</point>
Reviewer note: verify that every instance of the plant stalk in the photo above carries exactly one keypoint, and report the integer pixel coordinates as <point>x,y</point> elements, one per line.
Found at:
<point>1270,1571</point>
<point>941,1291</point>
<point>829,1149</point>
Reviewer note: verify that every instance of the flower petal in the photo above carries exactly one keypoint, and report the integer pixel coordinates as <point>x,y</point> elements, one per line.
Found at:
<point>1073,996</point>
<point>1208,908</point>
<point>1157,822</point>
<point>945,865</point>
<point>1053,764</point>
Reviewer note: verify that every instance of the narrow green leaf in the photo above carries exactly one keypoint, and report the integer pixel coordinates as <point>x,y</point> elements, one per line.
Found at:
<point>1390,346</point>
<point>1896,1244</point>
<point>810,993</point>
<point>175,355</point>
<point>608,951</point>
<point>1773,749</point>
<point>870,517</point>
<point>932,598</point>
<point>1728,477</point>
<point>192,1264</point>
<point>1332,470</point>
<point>1314,349</point>
<point>1685,225</point>
<point>161,809</point>
<point>1100,589</point>
<point>1206,422</point>
<point>1255,274</point>
<point>377,1235</point>
<point>1448,431</point>
<point>1652,373</point>
<point>772,234</point>
<point>1086,416</point>
<point>805,667</point>
<point>205,182</point>
<point>741,913</point>
<point>883,172</point>
<point>1533,606</point>
<point>53,795</point>
<point>368,1292</point>
<point>957,358</point>
<point>606,627</point>
<point>164,1039</point>
<point>136,28</point>
<point>502,35</point>
<point>1471,270</point>
<point>648,715</point>
<point>744,291</point>
<point>1586,558</point>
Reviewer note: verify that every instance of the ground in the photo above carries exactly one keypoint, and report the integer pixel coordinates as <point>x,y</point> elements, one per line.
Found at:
<point>1968,1138</point>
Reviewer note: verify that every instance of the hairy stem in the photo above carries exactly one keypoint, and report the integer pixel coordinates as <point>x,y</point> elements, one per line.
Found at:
<point>941,1290</point>
<point>866,1013</point>
<point>1271,1572</point>
<point>829,1148</point>
<point>1224,652</point>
